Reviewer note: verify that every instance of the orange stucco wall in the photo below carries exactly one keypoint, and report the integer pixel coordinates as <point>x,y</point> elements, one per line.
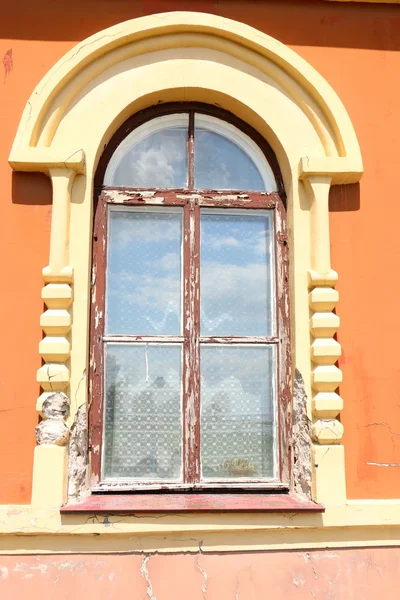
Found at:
<point>355,47</point>
<point>341,574</point>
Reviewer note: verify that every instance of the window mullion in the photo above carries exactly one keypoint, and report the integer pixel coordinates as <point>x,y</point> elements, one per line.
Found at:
<point>191,366</point>
<point>191,151</point>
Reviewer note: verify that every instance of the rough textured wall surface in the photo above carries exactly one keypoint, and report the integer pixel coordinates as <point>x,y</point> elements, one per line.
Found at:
<point>330,575</point>
<point>355,47</point>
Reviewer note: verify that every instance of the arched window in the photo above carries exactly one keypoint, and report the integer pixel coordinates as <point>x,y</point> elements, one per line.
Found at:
<point>190,383</point>
<point>157,154</point>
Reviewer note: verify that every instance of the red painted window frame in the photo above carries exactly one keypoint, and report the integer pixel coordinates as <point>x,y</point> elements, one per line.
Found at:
<point>191,200</point>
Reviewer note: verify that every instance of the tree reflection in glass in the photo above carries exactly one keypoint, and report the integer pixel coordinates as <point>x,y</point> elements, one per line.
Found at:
<point>237,412</point>
<point>143,412</point>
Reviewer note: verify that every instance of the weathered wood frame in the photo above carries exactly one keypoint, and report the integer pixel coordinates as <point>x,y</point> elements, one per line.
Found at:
<point>191,201</point>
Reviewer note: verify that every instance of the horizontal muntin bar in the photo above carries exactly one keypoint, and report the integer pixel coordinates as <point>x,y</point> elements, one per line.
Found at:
<point>238,340</point>
<point>147,339</point>
<point>179,339</point>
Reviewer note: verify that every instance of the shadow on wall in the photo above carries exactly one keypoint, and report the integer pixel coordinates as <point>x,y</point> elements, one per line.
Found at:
<point>344,198</point>
<point>32,189</point>
<point>311,23</point>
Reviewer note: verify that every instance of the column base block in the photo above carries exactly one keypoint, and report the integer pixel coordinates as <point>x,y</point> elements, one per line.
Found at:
<point>50,476</point>
<point>329,475</point>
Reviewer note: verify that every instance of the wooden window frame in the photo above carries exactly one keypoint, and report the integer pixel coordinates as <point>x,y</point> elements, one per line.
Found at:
<point>191,201</point>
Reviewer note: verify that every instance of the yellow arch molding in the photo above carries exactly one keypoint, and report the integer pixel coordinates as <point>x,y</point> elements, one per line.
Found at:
<point>178,56</point>
<point>56,92</point>
<point>71,114</point>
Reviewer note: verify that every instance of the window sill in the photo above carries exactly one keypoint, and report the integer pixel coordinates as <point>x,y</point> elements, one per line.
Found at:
<point>133,503</point>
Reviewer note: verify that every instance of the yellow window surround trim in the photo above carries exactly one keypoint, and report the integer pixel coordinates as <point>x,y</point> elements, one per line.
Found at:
<point>358,524</point>
<point>74,111</point>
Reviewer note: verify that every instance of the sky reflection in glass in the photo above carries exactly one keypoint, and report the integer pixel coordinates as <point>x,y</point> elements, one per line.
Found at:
<point>144,272</point>
<point>236,273</point>
<point>153,155</point>
<point>227,159</point>
<point>222,165</point>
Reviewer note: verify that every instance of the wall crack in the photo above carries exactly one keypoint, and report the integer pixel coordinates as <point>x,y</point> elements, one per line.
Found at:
<point>145,574</point>
<point>205,577</point>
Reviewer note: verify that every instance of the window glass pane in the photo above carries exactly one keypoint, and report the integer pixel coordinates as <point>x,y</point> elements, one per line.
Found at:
<point>152,155</point>
<point>226,158</point>
<point>237,273</point>
<point>143,414</point>
<point>144,272</point>
<point>237,412</point>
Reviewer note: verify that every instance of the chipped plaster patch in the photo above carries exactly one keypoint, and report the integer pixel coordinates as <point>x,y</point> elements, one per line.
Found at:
<point>56,406</point>
<point>301,439</point>
<point>52,431</point>
<point>27,568</point>
<point>78,454</point>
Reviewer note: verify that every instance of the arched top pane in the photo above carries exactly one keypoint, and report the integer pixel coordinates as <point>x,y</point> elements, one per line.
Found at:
<point>152,155</point>
<point>222,157</point>
<point>228,159</point>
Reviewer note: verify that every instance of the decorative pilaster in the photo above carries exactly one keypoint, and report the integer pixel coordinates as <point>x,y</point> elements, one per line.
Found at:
<point>325,351</point>
<point>52,433</point>
<point>326,431</point>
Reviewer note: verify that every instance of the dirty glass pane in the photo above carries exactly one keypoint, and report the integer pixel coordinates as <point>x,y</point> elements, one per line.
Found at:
<point>237,412</point>
<point>152,155</point>
<point>237,273</point>
<point>143,415</point>
<point>144,272</point>
<point>226,158</point>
